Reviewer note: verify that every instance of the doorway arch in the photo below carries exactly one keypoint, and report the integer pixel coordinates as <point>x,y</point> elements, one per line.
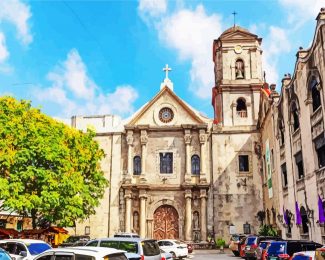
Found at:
<point>166,225</point>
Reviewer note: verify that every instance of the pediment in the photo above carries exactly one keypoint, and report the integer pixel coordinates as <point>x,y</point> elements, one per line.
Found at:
<point>166,109</point>
<point>238,35</point>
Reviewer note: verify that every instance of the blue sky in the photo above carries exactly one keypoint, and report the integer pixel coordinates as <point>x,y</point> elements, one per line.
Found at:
<point>106,57</point>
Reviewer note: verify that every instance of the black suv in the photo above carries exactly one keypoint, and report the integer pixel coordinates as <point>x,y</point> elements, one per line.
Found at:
<point>285,249</point>
<point>75,241</point>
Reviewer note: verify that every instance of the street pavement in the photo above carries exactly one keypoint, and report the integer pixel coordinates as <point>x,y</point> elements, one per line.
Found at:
<point>212,255</point>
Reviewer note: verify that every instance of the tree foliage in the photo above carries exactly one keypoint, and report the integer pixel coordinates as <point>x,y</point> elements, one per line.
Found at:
<point>48,170</point>
<point>267,230</point>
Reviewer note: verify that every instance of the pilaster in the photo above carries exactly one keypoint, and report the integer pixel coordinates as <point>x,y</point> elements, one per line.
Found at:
<point>203,157</point>
<point>129,140</point>
<point>203,222</point>
<point>128,201</point>
<point>143,201</point>
<point>188,139</point>
<point>188,215</point>
<point>144,141</point>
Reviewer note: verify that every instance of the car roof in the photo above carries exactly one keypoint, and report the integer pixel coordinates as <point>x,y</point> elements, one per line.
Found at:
<point>22,240</point>
<point>129,239</point>
<point>90,250</point>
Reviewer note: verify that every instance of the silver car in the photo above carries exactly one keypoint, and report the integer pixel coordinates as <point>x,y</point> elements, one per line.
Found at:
<point>147,249</point>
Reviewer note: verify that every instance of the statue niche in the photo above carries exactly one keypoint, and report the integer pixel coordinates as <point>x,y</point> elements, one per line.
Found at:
<point>239,69</point>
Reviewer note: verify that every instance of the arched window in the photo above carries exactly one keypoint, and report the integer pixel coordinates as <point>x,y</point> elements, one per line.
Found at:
<point>241,108</point>
<point>136,165</point>
<point>295,116</point>
<point>289,221</point>
<point>195,165</point>
<point>315,94</point>
<point>240,69</point>
<point>304,219</point>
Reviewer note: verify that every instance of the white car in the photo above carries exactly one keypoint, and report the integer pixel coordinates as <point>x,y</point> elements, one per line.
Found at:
<point>175,247</point>
<point>82,253</point>
<point>26,249</point>
<point>304,255</point>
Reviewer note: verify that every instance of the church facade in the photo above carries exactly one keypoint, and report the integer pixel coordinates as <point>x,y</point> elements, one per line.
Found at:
<point>175,173</point>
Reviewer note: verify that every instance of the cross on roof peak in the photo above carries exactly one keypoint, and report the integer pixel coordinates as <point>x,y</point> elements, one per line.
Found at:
<point>167,69</point>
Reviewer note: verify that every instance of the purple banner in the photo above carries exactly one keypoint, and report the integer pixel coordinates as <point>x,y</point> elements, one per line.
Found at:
<point>298,215</point>
<point>321,214</point>
<point>285,217</point>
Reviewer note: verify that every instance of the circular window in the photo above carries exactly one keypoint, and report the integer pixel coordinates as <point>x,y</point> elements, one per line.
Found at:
<point>166,115</point>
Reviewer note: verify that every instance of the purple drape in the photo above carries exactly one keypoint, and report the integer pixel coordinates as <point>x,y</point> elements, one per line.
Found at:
<point>285,217</point>
<point>321,217</point>
<point>298,215</point>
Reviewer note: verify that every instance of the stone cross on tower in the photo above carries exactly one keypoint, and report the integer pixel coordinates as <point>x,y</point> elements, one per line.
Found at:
<point>166,69</point>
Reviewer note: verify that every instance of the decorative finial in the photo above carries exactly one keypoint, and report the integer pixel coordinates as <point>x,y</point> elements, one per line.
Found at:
<point>166,69</point>
<point>234,14</point>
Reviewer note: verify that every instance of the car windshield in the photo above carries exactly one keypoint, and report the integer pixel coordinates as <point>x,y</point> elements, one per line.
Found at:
<point>235,238</point>
<point>276,248</point>
<point>177,242</point>
<point>130,247</point>
<point>150,248</point>
<point>251,241</point>
<point>37,248</point>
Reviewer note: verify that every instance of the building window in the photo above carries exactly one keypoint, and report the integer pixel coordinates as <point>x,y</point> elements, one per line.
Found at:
<point>20,225</point>
<point>289,215</point>
<point>320,150</point>
<point>295,116</point>
<point>315,94</point>
<point>3,223</point>
<point>284,175</point>
<point>240,69</point>
<point>243,161</point>
<point>136,165</point>
<point>166,162</point>
<point>272,159</point>
<point>241,108</point>
<point>281,129</point>
<point>304,220</point>
<point>195,165</point>
<point>299,165</point>
<point>247,228</point>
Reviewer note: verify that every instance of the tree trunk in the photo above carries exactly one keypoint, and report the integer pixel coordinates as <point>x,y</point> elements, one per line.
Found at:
<point>33,214</point>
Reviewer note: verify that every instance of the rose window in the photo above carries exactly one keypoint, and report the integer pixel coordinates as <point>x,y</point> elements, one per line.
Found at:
<point>166,115</point>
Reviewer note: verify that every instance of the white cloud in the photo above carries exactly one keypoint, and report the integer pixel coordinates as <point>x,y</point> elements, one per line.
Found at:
<point>191,34</point>
<point>75,93</point>
<point>3,48</point>
<point>152,8</point>
<point>299,11</point>
<point>18,14</point>
<point>275,44</point>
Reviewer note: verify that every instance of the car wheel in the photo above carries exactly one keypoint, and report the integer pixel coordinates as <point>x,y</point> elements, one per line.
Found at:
<point>173,254</point>
<point>236,253</point>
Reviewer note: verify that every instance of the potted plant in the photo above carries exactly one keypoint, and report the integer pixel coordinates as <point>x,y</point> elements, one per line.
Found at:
<point>221,244</point>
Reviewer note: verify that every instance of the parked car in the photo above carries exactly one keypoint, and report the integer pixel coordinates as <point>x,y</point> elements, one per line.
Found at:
<point>4,255</point>
<point>26,249</point>
<point>190,247</point>
<point>147,249</point>
<point>165,255</point>
<point>233,243</point>
<point>126,234</point>
<point>286,249</point>
<point>82,253</point>
<point>175,247</point>
<point>75,241</point>
<point>320,253</point>
<point>252,243</point>
<point>241,247</point>
<point>305,255</point>
<point>261,249</point>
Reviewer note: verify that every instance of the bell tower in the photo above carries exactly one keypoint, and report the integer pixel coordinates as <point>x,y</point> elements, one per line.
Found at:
<point>237,58</point>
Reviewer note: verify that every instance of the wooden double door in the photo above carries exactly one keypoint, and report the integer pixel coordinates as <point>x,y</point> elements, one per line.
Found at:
<point>166,223</point>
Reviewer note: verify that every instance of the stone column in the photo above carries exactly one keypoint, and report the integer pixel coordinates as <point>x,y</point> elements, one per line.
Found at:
<point>188,138</point>
<point>150,228</point>
<point>203,157</point>
<point>144,141</point>
<point>188,215</point>
<point>143,198</point>
<point>129,140</point>
<point>128,213</point>
<point>203,197</point>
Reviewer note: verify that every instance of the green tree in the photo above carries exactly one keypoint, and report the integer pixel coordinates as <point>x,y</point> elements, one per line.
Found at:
<point>48,171</point>
<point>267,230</point>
